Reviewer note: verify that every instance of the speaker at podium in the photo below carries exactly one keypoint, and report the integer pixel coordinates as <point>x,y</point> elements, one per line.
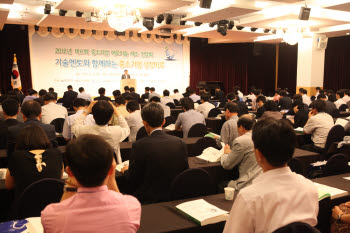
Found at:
<point>127,82</point>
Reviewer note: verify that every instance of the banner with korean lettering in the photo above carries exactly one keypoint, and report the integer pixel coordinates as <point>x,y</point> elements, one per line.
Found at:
<point>90,63</point>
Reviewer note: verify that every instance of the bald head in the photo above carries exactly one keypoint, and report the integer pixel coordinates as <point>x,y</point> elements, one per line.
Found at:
<point>245,123</point>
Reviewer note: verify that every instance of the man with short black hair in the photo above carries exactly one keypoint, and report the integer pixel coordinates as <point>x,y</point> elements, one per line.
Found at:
<point>116,93</point>
<point>102,92</point>
<point>32,94</point>
<point>306,98</point>
<point>285,102</point>
<point>31,111</point>
<point>126,75</point>
<point>167,110</point>
<point>83,95</point>
<point>340,101</point>
<point>152,94</point>
<point>330,106</point>
<point>278,196</point>
<point>145,96</point>
<point>10,109</point>
<point>126,91</point>
<point>205,107</point>
<point>194,96</point>
<point>120,103</point>
<point>51,110</point>
<point>346,97</point>
<point>189,117</point>
<point>52,92</point>
<point>318,89</point>
<point>318,125</point>
<point>102,112</point>
<point>79,106</point>
<point>166,99</point>
<point>243,109</point>
<point>155,160</point>
<point>68,97</point>
<point>241,154</point>
<point>229,128</point>
<point>134,95</point>
<point>260,101</point>
<point>177,96</point>
<point>219,95</point>
<point>134,119</point>
<point>91,201</point>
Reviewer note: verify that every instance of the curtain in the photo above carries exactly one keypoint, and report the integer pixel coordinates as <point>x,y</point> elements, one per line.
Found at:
<point>287,67</point>
<point>14,40</point>
<point>337,60</point>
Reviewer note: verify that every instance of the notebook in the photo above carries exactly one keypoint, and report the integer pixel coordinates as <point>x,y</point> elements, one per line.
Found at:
<point>327,191</point>
<point>212,135</point>
<point>299,130</point>
<point>341,122</point>
<point>29,225</point>
<point>211,154</point>
<point>170,127</point>
<point>202,212</point>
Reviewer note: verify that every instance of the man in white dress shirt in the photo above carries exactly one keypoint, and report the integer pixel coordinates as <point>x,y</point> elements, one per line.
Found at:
<point>102,112</point>
<point>306,98</point>
<point>152,94</point>
<point>194,96</point>
<point>205,107</point>
<point>83,95</point>
<point>340,101</point>
<point>177,95</point>
<point>166,99</point>
<point>346,97</point>
<point>79,106</point>
<point>51,110</point>
<point>134,119</point>
<point>278,196</point>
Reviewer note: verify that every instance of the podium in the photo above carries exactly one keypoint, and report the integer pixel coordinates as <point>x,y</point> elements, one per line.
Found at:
<point>127,82</point>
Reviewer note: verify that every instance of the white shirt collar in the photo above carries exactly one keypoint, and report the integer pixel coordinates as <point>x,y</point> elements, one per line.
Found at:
<point>272,173</point>
<point>157,129</point>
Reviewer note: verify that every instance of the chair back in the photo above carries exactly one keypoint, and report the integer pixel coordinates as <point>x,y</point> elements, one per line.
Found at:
<point>141,133</point>
<point>297,227</point>
<point>169,120</point>
<point>222,104</point>
<point>214,112</point>
<point>177,103</point>
<point>58,123</point>
<point>336,165</point>
<point>197,130</point>
<point>335,113</point>
<point>343,107</point>
<point>296,166</point>
<point>37,196</point>
<point>193,182</point>
<point>202,144</point>
<point>336,134</point>
<point>171,105</point>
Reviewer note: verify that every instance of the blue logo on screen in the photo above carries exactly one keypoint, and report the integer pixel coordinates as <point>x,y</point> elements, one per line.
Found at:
<point>169,53</point>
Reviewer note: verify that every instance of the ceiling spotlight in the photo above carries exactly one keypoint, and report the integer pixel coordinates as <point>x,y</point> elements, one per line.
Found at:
<point>169,19</point>
<point>105,33</point>
<point>62,12</point>
<point>253,29</point>
<point>82,31</point>
<point>71,30</point>
<point>160,19</point>
<point>347,33</point>
<point>36,27</point>
<point>93,32</point>
<point>79,13</point>
<point>148,22</point>
<point>198,24</point>
<point>61,30</point>
<point>182,22</point>
<point>212,24</point>
<point>205,4</point>
<point>304,13</point>
<point>266,30</point>
<point>222,29</point>
<point>231,24</point>
<point>47,9</point>
<point>239,27</point>
<point>49,29</point>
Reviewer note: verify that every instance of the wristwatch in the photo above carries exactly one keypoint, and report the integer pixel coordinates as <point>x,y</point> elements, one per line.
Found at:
<point>70,189</point>
<point>339,217</point>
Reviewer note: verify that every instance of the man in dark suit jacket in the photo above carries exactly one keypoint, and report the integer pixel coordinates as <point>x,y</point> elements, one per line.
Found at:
<point>134,95</point>
<point>219,94</point>
<point>146,95</point>
<point>331,108</point>
<point>284,102</point>
<point>10,110</point>
<point>126,75</point>
<point>52,92</point>
<point>69,96</point>
<point>31,111</point>
<point>102,96</point>
<point>155,160</point>
<point>243,109</point>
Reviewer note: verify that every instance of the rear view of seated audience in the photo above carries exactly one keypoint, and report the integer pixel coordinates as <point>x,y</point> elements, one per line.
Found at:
<point>285,102</point>
<point>301,116</point>
<point>134,119</point>
<point>177,95</point>
<point>126,91</point>
<point>166,99</point>
<point>271,111</point>
<point>68,97</point>
<point>32,94</point>
<point>91,201</point>
<point>31,111</point>
<point>102,112</point>
<point>153,93</point>
<point>155,160</point>
<point>83,95</point>
<point>102,92</point>
<point>195,98</point>
<point>52,92</point>
<point>189,117</point>
<point>51,110</point>
<point>241,154</point>
<point>116,93</point>
<point>278,196</point>
<point>33,160</point>
<point>10,109</point>
<point>318,125</point>
<point>167,111</point>
<point>146,94</point>
<point>205,107</point>
<point>79,106</point>
<point>330,106</point>
<point>134,95</point>
<point>229,128</point>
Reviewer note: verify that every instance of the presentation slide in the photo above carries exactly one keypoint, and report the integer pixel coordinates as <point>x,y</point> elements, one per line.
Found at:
<point>91,63</point>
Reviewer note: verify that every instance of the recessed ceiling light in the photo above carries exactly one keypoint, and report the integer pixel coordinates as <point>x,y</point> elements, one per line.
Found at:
<point>348,33</point>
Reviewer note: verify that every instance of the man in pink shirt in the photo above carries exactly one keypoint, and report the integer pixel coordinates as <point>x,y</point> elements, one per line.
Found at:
<point>91,201</point>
